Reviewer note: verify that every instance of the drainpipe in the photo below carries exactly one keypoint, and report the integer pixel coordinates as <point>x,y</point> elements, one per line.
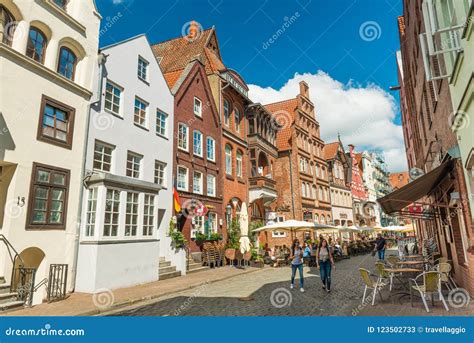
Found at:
<point>102,59</point>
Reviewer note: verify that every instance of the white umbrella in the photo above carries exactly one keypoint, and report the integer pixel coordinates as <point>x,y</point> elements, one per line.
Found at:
<point>289,225</point>
<point>244,230</point>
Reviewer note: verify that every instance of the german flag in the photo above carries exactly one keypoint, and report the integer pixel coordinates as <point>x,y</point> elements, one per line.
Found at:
<point>176,201</point>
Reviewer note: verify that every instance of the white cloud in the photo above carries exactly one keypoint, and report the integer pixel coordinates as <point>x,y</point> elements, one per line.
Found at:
<point>118,2</point>
<point>363,115</point>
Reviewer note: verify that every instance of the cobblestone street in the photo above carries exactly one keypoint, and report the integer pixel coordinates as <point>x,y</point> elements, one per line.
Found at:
<point>267,293</point>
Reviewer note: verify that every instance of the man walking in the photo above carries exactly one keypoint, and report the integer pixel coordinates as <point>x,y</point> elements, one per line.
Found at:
<point>380,246</point>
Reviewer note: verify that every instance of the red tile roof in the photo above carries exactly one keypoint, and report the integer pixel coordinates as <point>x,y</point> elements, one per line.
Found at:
<point>330,150</point>
<point>398,180</point>
<point>175,54</point>
<point>172,77</point>
<point>284,114</point>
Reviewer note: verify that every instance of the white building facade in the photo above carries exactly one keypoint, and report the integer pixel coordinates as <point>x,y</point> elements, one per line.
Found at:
<point>368,176</point>
<point>129,164</point>
<point>48,58</point>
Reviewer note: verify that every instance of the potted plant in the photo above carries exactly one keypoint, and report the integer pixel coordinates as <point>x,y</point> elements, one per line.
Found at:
<point>177,237</point>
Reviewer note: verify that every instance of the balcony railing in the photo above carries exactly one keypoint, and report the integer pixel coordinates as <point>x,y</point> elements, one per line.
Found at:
<point>262,181</point>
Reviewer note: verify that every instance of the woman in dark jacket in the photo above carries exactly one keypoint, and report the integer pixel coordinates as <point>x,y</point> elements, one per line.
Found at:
<point>325,262</point>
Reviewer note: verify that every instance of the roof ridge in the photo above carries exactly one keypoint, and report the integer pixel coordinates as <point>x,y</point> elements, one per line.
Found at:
<point>277,102</point>
<point>171,39</point>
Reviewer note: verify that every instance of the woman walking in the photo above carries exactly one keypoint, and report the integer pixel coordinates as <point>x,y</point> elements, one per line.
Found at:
<point>297,263</point>
<point>325,262</point>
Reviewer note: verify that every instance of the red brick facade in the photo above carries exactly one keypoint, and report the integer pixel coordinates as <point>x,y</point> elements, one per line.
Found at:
<point>426,107</point>
<point>194,85</point>
<point>301,172</point>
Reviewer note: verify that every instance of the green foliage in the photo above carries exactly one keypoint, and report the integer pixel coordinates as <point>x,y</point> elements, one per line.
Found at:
<point>200,238</point>
<point>214,236</point>
<point>177,237</point>
<point>233,232</point>
<point>252,227</point>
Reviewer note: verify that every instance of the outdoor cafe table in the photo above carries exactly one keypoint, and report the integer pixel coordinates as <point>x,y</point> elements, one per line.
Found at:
<point>410,263</point>
<point>405,273</point>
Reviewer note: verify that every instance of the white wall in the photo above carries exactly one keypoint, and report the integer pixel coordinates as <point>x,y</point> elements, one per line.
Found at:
<point>112,266</point>
<point>121,132</point>
<point>24,81</point>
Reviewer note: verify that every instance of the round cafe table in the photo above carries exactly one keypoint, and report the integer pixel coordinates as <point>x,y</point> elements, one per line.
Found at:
<point>409,263</point>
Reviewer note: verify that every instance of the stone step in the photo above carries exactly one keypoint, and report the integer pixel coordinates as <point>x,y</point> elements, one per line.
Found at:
<point>169,275</point>
<point>165,264</point>
<point>167,269</point>
<point>2,279</point>
<point>162,259</point>
<point>199,269</point>
<point>4,288</point>
<point>192,266</point>
<point>7,297</point>
<point>12,305</point>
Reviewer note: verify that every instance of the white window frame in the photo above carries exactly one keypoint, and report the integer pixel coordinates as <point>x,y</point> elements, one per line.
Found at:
<point>211,179</point>
<point>157,177</point>
<point>183,137</point>
<point>131,229</point>
<point>228,158</point>
<point>148,215</point>
<point>186,179</point>
<point>197,148</point>
<point>140,110</point>
<point>200,184</point>
<point>91,212</point>
<point>113,97</point>
<point>279,234</point>
<point>213,145</point>
<point>239,164</point>
<point>197,110</point>
<point>143,66</point>
<point>102,155</point>
<point>159,127</point>
<point>112,213</point>
<point>133,171</point>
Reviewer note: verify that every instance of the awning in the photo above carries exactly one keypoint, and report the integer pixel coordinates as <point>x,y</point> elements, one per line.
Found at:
<point>416,189</point>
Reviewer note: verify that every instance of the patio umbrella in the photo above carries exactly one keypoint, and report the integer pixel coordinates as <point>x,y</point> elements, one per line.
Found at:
<point>244,229</point>
<point>289,225</point>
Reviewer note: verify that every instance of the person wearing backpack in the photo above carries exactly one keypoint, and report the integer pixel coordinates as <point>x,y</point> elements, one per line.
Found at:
<point>325,262</point>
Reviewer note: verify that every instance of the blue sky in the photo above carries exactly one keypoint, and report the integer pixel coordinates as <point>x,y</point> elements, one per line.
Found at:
<point>347,46</point>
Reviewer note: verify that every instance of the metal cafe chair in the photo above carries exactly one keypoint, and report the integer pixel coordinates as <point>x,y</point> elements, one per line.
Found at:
<point>376,286</point>
<point>383,274</point>
<point>446,278</point>
<point>431,285</point>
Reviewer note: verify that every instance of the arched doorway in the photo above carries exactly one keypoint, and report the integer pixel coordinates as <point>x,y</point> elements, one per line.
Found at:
<point>263,165</point>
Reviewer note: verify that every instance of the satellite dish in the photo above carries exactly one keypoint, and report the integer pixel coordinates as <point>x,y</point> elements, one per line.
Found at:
<point>415,173</point>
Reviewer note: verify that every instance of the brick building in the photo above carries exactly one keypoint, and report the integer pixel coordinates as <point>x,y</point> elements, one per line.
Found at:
<point>197,165</point>
<point>229,94</point>
<point>439,187</point>
<point>300,172</point>
<point>362,207</point>
<point>262,134</point>
<point>339,168</point>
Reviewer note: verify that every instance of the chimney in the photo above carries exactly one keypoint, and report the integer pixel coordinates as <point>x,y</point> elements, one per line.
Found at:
<point>304,89</point>
<point>193,30</point>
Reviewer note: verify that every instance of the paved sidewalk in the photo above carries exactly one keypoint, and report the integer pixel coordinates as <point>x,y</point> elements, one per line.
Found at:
<point>83,304</point>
